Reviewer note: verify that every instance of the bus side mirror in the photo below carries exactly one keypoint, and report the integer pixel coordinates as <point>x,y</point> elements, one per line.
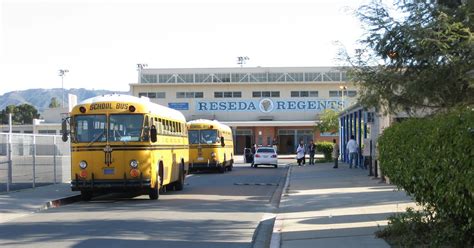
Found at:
<point>153,134</point>
<point>64,130</point>
<point>222,142</point>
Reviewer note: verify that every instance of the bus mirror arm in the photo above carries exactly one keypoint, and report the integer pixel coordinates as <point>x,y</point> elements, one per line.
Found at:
<point>153,134</point>
<point>222,142</point>
<point>64,130</point>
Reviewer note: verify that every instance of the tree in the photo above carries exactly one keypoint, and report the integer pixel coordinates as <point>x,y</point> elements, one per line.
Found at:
<point>423,59</point>
<point>21,114</point>
<point>329,122</point>
<point>54,103</point>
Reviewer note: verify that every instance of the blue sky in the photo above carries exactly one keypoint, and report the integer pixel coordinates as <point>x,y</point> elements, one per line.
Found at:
<point>100,42</point>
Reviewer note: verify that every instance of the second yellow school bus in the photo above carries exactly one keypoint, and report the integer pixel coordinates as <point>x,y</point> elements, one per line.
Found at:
<point>124,143</point>
<point>211,146</point>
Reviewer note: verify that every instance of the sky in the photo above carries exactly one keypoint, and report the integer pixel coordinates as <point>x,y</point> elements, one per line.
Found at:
<point>101,42</point>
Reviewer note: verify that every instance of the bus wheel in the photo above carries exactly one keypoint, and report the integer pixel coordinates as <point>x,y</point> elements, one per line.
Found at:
<point>231,165</point>
<point>86,195</point>
<point>179,185</point>
<point>154,193</point>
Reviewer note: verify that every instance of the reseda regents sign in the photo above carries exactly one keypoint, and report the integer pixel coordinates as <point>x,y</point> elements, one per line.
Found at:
<point>267,105</point>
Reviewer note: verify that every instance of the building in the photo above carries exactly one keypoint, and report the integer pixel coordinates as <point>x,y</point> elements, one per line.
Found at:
<point>262,104</point>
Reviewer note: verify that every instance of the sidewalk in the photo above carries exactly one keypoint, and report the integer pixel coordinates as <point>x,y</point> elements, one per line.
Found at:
<point>326,207</point>
<point>23,202</point>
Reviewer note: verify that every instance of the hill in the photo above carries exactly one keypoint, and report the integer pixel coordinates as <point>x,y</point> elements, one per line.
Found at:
<point>40,98</point>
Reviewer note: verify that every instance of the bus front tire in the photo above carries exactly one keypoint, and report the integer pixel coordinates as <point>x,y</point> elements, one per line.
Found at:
<point>86,195</point>
<point>154,193</point>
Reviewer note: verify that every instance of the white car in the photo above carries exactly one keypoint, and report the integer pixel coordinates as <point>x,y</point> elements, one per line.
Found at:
<point>265,155</point>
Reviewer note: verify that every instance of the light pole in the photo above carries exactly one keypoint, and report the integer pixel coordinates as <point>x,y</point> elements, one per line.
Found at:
<point>62,73</point>
<point>343,88</point>
<point>242,60</point>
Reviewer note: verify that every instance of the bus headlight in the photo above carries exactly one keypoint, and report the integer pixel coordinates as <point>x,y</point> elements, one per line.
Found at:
<point>83,164</point>
<point>133,163</point>
<point>213,154</point>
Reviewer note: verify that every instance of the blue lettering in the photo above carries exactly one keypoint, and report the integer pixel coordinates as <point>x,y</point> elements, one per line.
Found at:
<point>291,105</point>
<point>232,106</point>
<point>213,106</point>
<point>251,106</point>
<point>280,105</point>
<point>222,106</point>
<point>323,104</point>
<point>242,106</point>
<point>301,105</point>
<point>202,106</point>
<point>312,105</point>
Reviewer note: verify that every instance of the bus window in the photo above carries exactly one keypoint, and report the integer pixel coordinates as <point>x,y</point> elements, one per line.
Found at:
<point>193,136</point>
<point>208,136</point>
<point>90,128</point>
<point>132,127</point>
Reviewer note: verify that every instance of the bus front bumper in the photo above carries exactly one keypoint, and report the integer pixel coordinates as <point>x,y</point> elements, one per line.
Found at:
<point>118,185</point>
<point>203,166</point>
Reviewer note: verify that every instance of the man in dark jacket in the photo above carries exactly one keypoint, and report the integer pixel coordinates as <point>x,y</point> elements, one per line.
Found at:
<point>311,151</point>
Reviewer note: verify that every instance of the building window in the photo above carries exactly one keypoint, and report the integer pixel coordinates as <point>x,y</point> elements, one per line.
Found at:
<point>180,95</point>
<point>257,94</point>
<point>160,94</point>
<point>304,94</point>
<point>198,94</point>
<point>350,93</point>
<point>140,94</point>
<point>227,94</point>
<point>149,78</point>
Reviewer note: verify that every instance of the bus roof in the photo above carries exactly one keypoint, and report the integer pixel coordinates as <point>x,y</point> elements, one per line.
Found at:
<point>143,101</point>
<point>210,122</point>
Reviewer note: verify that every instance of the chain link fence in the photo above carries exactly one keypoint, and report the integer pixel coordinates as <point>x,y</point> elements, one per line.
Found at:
<point>32,160</point>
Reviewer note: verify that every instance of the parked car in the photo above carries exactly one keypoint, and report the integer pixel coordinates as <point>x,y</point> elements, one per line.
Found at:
<point>265,156</point>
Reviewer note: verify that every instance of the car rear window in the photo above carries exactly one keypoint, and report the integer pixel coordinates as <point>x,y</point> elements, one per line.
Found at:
<point>265,150</point>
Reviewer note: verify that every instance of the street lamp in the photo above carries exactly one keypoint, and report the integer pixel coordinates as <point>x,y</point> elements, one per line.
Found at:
<point>343,88</point>
<point>242,60</point>
<point>62,73</point>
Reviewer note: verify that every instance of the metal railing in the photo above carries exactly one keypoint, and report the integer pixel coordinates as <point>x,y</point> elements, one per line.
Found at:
<point>31,160</point>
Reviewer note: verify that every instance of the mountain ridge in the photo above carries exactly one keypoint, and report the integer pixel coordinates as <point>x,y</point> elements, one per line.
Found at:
<point>41,98</point>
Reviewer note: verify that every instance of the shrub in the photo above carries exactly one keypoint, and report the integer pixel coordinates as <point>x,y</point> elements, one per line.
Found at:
<point>326,148</point>
<point>432,160</point>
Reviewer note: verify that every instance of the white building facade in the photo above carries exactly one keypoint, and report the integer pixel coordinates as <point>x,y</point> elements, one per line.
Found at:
<point>263,105</point>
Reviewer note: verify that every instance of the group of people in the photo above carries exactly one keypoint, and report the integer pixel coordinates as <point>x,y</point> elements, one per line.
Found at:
<point>302,150</point>
<point>351,146</point>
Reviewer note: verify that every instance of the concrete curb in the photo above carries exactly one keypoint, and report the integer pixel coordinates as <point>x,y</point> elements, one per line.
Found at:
<point>275,241</point>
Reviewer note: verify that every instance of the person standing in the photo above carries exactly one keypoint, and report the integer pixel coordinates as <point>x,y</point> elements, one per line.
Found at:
<point>366,153</point>
<point>352,147</point>
<point>275,144</point>
<point>335,153</point>
<point>304,152</point>
<point>311,151</point>
<point>300,154</point>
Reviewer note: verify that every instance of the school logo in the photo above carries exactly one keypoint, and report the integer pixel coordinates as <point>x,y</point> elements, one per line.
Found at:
<point>266,105</point>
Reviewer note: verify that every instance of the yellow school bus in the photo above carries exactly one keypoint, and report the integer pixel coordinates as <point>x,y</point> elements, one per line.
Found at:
<point>211,146</point>
<point>124,143</point>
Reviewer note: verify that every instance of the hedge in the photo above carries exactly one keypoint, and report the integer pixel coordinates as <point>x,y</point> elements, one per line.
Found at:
<point>326,148</point>
<point>432,160</point>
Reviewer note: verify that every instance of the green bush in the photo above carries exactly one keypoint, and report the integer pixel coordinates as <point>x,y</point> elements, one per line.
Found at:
<point>326,148</point>
<point>432,160</point>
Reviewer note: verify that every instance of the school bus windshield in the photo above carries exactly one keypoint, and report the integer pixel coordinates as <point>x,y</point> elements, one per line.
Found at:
<point>125,127</point>
<point>203,137</point>
<point>122,127</point>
